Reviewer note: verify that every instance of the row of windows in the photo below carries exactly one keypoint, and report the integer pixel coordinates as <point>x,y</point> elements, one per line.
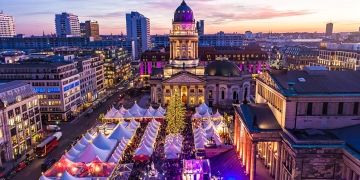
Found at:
<point>271,97</point>
<point>339,110</point>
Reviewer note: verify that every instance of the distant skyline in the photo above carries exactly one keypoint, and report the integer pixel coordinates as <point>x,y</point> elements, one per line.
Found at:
<point>34,17</point>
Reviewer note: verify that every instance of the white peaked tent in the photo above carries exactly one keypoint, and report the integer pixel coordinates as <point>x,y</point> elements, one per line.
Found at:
<point>72,152</point>
<point>217,116</point>
<point>110,113</point>
<point>121,132</point>
<point>128,115</point>
<point>136,109</point>
<point>118,115</point>
<point>149,113</point>
<point>151,110</point>
<point>104,143</point>
<point>122,110</point>
<point>143,150</point>
<point>92,152</point>
<point>203,108</point>
<point>43,177</point>
<point>200,143</point>
<point>173,146</point>
<point>196,116</point>
<point>158,114</point>
<point>68,176</point>
<point>133,125</point>
<point>161,110</point>
<point>207,115</point>
<point>79,146</point>
<point>89,136</point>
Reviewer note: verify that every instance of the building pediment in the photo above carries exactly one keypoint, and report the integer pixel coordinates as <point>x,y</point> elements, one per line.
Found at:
<point>184,77</point>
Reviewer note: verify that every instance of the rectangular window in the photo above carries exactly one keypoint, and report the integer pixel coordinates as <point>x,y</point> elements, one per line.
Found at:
<point>341,108</point>
<point>325,108</point>
<point>309,109</point>
<point>356,108</point>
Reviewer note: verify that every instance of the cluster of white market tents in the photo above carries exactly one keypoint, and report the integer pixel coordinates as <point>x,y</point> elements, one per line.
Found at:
<point>207,131</point>
<point>135,112</point>
<point>173,146</point>
<point>204,112</point>
<point>146,146</point>
<point>94,155</point>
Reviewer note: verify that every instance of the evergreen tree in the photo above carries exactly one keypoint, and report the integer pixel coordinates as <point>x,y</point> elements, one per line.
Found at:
<point>175,115</point>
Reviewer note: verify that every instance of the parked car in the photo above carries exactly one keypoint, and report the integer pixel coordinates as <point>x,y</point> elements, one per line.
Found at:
<point>22,165</point>
<point>53,128</point>
<point>47,164</point>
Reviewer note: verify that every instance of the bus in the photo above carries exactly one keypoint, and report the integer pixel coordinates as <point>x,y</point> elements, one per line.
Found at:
<point>46,146</point>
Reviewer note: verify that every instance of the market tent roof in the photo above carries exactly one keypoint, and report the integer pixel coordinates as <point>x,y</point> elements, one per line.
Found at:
<point>68,176</point>
<point>120,132</point>
<point>122,110</point>
<point>79,146</point>
<point>133,124</point>
<point>43,177</point>
<point>84,141</point>
<point>217,116</point>
<point>149,113</point>
<point>91,152</point>
<point>207,115</point>
<point>127,114</point>
<point>203,108</point>
<point>111,112</point>
<point>161,109</point>
<point>118,115</point>
<point>104,143</point>
<point>89,136</point>
<point>159,114</point>
<point>61,166</point>
<point>73,152</point>
<point>151,109</point>
<point>143,150</point>
<point>135,108</point>
<point>200,143</point>
<point>196,116</point>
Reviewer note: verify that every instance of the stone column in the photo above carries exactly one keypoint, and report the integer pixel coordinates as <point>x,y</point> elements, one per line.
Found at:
<point>355,176</point>
<point>235,133</point>
<point>248,156</point>
<point>238,138</point>
<point>253,160</point>
<point>278,161</point>
<point>243,149</point>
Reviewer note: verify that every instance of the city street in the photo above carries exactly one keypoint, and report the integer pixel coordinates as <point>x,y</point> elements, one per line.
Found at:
<point>70,131</point>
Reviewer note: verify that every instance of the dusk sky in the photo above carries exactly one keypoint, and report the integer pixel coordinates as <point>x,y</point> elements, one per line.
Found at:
<point>36,16</point>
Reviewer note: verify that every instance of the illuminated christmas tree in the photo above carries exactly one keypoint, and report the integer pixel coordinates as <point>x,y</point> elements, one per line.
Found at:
<point>175,115</point>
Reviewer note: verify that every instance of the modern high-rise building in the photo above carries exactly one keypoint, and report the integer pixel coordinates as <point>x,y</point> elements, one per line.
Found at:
<point>138,31</point>
<point>90,29</point>
<point>7,25</point>
<point>67,25</point>
<point>200,26</point>
<point>329,29</point>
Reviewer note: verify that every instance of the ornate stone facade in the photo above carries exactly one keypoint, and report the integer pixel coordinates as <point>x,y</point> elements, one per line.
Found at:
<point>224,85</point>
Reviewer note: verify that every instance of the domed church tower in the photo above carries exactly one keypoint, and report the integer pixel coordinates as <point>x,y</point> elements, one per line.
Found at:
<point>184,38</point>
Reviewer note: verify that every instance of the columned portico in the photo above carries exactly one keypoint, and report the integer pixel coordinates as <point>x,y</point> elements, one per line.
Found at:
<point>254,142</point>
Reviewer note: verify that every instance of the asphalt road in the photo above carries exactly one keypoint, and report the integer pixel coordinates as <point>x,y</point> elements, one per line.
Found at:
<point>70,131</point>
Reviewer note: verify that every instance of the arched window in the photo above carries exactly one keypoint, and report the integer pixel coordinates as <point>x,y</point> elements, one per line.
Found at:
<point>222,94</point>
<point>235,96</point>
<point>245,93</point>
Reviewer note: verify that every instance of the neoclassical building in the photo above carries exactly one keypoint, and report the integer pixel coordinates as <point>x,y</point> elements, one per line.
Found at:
<point>304,125</point>
<point>220,83</point>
